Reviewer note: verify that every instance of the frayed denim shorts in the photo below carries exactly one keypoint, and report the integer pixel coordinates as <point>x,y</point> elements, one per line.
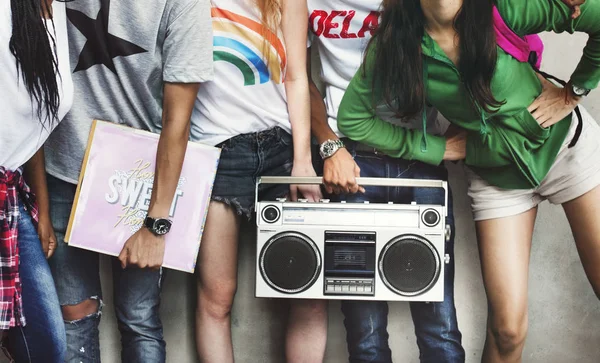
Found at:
<point>246,157</point>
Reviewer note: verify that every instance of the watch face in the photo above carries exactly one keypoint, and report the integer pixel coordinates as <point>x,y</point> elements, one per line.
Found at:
<point>162,226</point>
<point>328,148</point>
<point>578,91</point>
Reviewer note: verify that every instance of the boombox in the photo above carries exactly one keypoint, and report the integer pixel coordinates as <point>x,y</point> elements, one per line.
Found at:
<point>354,251</point>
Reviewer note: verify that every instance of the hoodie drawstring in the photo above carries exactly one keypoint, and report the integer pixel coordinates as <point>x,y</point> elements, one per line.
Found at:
<point>424,113</point>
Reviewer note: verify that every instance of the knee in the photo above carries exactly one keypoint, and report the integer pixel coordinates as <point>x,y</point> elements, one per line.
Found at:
<point>74,313</point>
<point>509,335</point>
<point>216,299</point>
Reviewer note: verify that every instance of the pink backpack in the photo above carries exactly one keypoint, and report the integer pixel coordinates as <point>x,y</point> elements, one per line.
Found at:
<point>524,49</point>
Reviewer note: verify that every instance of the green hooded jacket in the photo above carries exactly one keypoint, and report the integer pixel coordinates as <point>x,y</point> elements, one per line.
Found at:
<point>508,148</point>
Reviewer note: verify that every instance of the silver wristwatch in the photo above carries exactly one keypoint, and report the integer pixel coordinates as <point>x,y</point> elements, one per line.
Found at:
<point>330,147</point>
<point>579,91</point>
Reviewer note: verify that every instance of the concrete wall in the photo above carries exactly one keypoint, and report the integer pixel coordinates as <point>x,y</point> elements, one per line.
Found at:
<point>564,313</point>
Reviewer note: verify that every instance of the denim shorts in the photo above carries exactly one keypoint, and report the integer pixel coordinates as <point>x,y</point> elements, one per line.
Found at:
<point>246,157</point>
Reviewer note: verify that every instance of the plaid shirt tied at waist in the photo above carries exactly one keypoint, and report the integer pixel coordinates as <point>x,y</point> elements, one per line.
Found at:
<point>12,187</point>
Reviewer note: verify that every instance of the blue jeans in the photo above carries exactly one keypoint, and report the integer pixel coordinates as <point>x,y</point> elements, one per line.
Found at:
<point>136,294</point>
<point>436,327</point>
<point>42,340</point>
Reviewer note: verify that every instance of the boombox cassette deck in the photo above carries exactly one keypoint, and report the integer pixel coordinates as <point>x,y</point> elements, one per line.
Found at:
<point>357,251</point>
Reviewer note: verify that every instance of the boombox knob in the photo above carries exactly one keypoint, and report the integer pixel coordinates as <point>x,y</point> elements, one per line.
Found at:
<point>446,258</point>
<point>448,234</point>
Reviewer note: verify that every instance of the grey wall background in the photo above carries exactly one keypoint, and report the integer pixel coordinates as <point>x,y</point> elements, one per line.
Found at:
<point>564,312</point>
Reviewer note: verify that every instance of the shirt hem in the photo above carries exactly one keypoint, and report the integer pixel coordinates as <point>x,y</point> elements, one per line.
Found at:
<point>60,176</point>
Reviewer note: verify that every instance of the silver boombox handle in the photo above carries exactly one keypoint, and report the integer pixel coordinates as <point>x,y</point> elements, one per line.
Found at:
<point>381,182</point>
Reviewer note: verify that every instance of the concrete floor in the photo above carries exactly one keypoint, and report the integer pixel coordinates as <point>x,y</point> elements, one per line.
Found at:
<point>564,312</point>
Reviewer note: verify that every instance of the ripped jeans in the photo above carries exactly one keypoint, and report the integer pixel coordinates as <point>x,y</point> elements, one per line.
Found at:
<point>42,339</point>
<point>77,278</point>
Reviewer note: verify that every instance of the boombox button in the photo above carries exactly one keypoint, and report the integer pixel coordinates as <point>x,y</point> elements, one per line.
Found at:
<point>324,200</point>
<point>413,203</point>
<point>303,200</point>
<point>447,258</point>
<point>282,200</point>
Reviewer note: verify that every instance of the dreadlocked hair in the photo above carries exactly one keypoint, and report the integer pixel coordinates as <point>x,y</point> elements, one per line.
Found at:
<point>34,47</point>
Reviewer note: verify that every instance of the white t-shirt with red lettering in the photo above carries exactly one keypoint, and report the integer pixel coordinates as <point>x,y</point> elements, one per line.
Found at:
<point>341,30</point>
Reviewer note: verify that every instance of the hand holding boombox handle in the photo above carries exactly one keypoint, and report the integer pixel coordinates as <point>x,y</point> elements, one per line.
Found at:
<point>382,182</point>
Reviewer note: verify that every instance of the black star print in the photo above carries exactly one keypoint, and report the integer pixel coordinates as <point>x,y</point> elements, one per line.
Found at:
<point>101,47</point>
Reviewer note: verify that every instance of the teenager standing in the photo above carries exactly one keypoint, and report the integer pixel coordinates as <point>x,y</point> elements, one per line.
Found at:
<point>37,93</point>
<point>257,111</point>
<point>341,30</point>
<point>140,64</point>
<point>522,141</point>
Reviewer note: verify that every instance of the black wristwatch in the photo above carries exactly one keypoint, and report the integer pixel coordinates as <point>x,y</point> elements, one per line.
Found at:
<point>158,226</point>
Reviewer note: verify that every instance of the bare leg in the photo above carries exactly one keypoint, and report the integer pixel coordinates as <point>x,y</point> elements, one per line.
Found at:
<point>504,249</point>
<point>217,283</point>
<point>584,217</point>
<point>306,331</point>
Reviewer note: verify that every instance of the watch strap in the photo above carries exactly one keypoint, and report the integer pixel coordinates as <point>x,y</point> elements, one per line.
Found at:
<point>335,144</point>
<point>149,223</point>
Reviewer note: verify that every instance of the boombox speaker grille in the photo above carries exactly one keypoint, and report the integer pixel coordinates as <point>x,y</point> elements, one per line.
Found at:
<point>409,265</point>
<point>290,262</point>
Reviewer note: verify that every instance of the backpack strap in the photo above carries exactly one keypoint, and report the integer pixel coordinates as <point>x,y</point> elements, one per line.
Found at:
<point>524,49</point>
<point>579,128</point>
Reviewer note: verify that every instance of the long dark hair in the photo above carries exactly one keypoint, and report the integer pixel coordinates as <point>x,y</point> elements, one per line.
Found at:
<point>33,46</point>
<point>398,63</point>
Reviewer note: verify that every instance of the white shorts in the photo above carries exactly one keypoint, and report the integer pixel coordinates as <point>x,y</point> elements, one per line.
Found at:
<point>575,172</point>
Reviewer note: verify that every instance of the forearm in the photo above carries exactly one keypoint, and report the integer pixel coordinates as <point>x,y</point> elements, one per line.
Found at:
<point>299,110</point>
<point>318,116</point>
<point>35,175</point>
<point>177,109</point>
<point>169,161</point>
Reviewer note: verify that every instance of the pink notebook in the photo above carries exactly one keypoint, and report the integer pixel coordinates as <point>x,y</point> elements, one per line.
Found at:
<point>115,187</point>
